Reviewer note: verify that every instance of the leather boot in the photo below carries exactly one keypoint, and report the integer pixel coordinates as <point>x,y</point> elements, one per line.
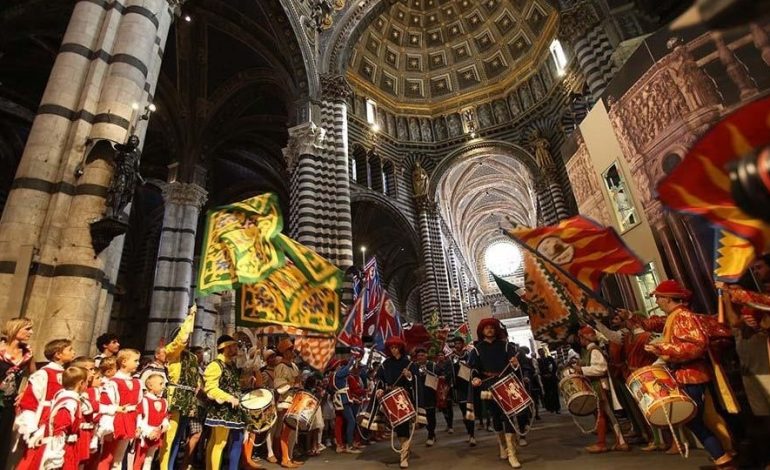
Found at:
<point>503,447</point>
<point>511,448</point>
<point>404,452</point>
<point>247,458</point>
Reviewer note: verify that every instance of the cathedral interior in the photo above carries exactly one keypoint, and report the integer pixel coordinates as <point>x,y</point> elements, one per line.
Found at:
<point>407,130</point>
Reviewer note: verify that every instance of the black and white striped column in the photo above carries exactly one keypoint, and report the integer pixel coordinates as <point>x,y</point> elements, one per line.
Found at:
<point>428,290</point>
<point>320,189</point>
<point>109,60</point>
<point>176,250</point>
<point>204,332</point>
<point>434,290</point>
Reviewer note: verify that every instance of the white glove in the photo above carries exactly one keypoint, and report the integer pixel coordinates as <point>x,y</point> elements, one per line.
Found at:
<point>35,439</point>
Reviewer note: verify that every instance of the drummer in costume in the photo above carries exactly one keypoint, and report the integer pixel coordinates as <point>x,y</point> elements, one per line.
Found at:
<point>225,416</point>
<point>594,367</point>
<point>397,371</point>
<point>683,349</point>
<point>426,394</point>
<point>462,389</point>
<point>489,358</point>
<point>287,380</point>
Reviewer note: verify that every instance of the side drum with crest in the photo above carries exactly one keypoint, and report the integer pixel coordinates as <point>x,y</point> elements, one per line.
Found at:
<point>659,396</point>
<point>300,413</point>
<point>260,410</point>
<point>576,389</point>
<point>397,407</point>
<point>510,395</point>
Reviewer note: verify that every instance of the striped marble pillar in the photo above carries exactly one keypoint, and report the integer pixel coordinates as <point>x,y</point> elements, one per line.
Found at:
<point>581,27</point>
<point>206,321</point>
<point>109,60</point>
<point>434,290</point>
<point>171,296</point>
<point>428,290</point>
<point>556,194</point>
<point>547,214</point>
<point>317,157</point>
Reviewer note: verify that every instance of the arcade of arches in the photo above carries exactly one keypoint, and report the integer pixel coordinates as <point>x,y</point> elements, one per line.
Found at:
<point>409,130</point>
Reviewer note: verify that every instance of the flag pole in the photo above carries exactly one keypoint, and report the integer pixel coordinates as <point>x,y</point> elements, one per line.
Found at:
<point>582,286</point>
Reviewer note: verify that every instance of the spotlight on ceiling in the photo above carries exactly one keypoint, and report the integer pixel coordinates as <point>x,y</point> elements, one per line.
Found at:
<point>188,18</point>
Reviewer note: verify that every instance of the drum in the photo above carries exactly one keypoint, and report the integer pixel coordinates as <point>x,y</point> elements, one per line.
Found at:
<point>510,395</point>
<point>260,410</point>
<point>659,396</point>
<point>303,408</point>
<point>577,392</point>
<point>464,372</point>
<point>397,407</point>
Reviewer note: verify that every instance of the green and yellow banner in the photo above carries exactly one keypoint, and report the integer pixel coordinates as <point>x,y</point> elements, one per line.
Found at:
<point>280,281</point>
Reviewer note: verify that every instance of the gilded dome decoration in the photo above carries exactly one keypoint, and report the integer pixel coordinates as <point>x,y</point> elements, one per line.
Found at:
<point>428,55</point>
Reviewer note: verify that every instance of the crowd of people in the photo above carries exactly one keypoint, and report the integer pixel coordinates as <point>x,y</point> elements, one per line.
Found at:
<point>182,409</point>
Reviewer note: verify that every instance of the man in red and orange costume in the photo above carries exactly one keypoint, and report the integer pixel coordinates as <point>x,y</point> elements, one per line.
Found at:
<point>683,348</point>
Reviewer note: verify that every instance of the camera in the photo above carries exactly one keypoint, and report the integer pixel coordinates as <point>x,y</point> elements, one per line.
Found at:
<point>750,183</point>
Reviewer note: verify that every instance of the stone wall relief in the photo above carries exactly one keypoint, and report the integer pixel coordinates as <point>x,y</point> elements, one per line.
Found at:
<point>526,95</point>
<point>414,130</point>
<point>537,88</point>
<point>439,125</point>
<point>403,131</point>
<point>502,113</point>
<point>514,104</point>
<point>455,125</point>
<point>484,112</point>
<point>427,132</point>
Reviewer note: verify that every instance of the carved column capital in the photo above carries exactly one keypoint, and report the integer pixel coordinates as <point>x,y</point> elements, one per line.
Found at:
<point>334,87</point>
<point>184,194</point>
<point>305,139</point>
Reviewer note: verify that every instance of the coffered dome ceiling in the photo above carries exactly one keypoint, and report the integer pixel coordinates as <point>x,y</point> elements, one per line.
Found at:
<point>431,54</point>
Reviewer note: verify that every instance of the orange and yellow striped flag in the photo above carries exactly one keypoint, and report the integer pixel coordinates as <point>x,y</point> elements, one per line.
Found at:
<point>700,185</point>
<point>580,247</point>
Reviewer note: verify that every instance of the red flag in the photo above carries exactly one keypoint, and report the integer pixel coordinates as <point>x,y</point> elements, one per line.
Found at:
<point>353,330</point>
<point>582,248</point>
<point>700,185</point>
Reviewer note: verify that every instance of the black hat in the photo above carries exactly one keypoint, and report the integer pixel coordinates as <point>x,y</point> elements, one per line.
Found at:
<point>225,341</point>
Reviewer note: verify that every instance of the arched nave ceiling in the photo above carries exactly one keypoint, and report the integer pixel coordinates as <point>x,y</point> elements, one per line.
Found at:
<point>432,54</point>
<point>479,193</point>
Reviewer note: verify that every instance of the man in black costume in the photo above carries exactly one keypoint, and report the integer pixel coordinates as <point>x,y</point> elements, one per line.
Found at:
<point>398,371</point>
<point>490,357</point>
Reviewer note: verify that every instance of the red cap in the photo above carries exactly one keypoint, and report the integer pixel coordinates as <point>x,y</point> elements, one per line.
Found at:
<point>500,332</point>
<point>672,288</point>
<point>586,331</point>
<point>395,341</point>
<point>334,363</point>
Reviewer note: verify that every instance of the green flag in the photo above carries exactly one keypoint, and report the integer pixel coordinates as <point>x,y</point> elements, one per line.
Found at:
<point>509,292</point>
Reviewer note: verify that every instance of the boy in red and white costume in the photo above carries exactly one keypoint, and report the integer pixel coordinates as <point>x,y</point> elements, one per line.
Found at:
<point>36,400</point>
<point>62,449</point>
<point>153,421</point>
<point>120,400</point>
<point>88,444</point>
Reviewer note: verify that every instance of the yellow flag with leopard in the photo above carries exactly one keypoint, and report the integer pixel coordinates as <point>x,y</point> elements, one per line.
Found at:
<point>279,281</point>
